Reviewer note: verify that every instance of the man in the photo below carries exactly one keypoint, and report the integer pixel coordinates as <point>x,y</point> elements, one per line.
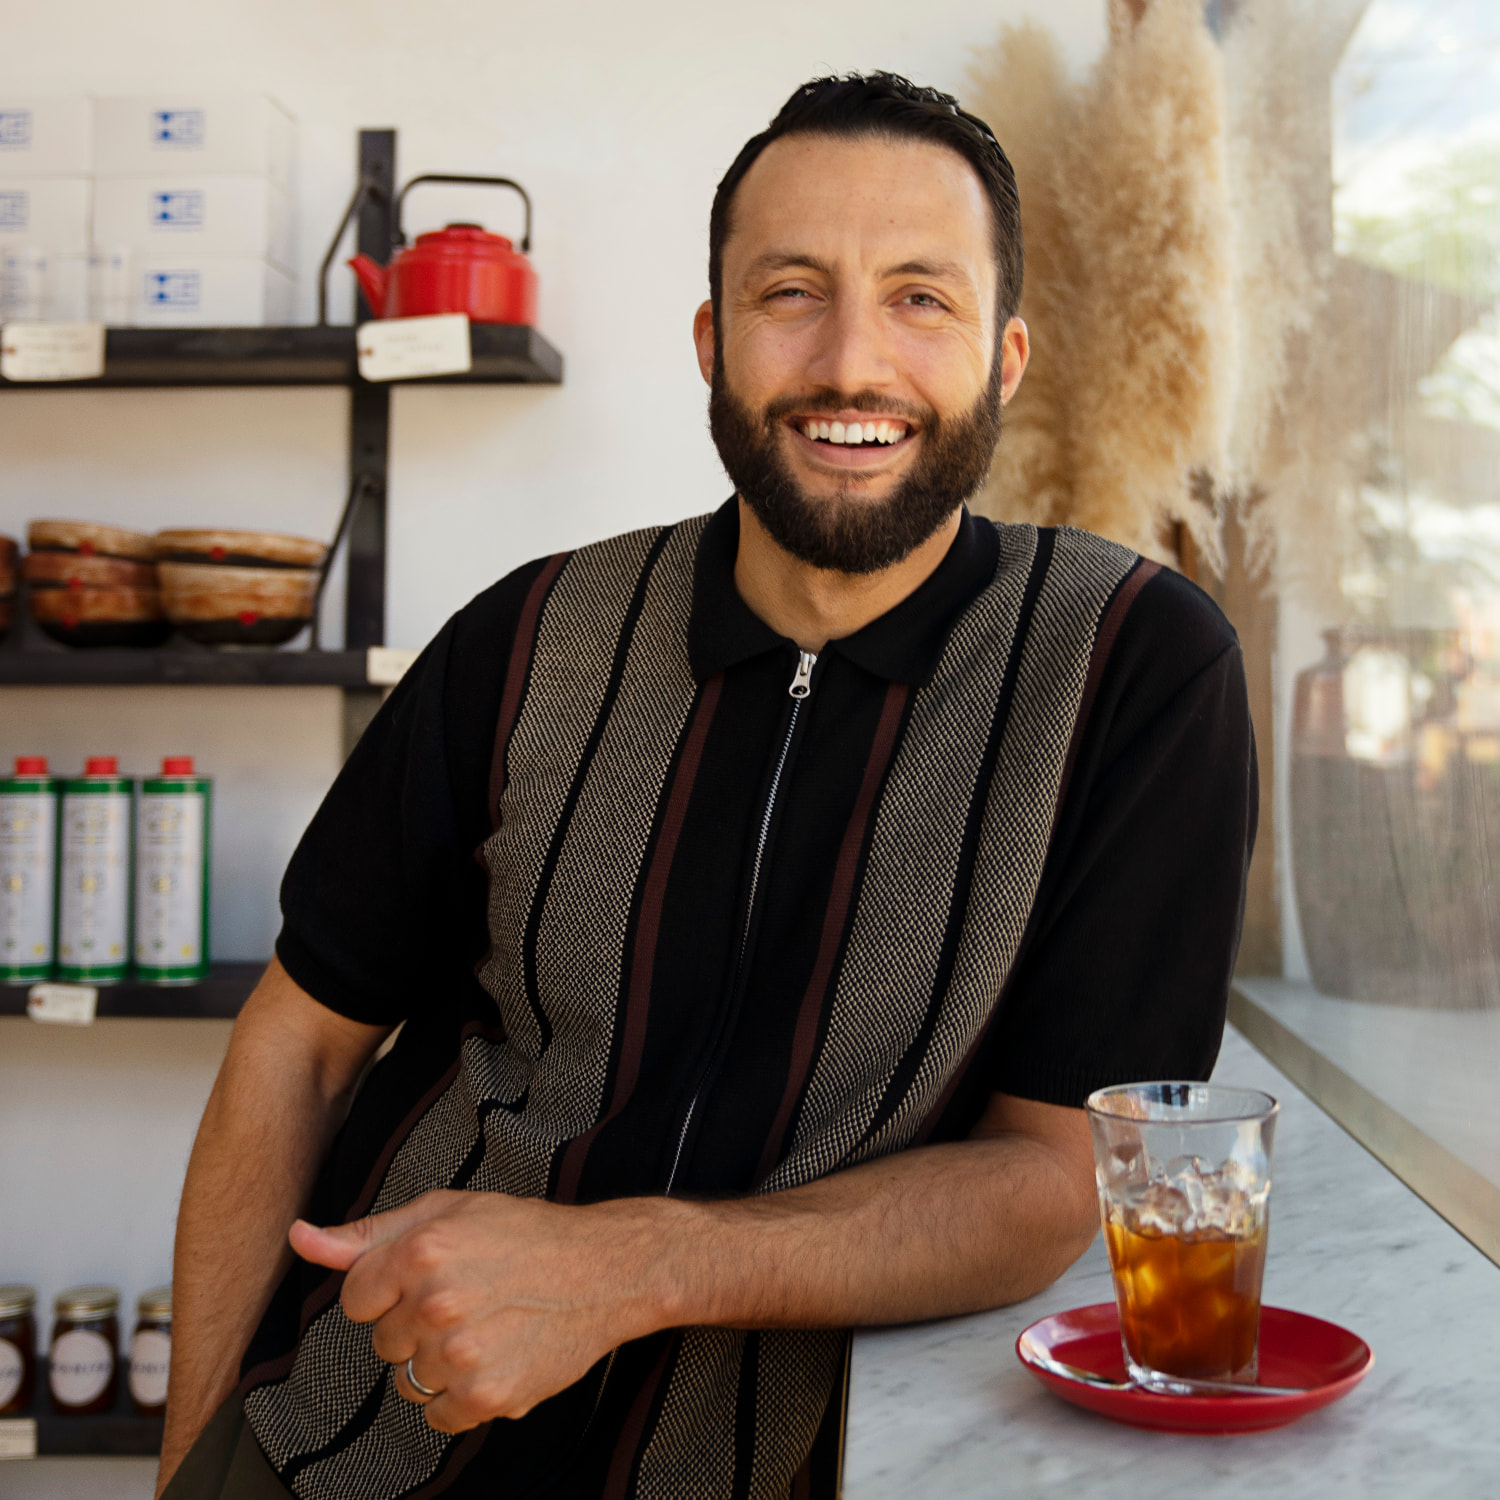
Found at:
<point>831,849</point>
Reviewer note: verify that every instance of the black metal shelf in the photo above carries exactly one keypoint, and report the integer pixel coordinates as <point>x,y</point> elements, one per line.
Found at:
<point>119,1433</point>
<point>217,998</point>
<point>504,354</point>
<point>169,666</point>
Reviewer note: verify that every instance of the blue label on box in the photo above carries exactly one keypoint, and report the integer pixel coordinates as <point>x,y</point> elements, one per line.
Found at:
<point>15,209</point>
<point>177,127</point>
<point>174,289</point>
<point>15,129</point>
<point>177,210</point>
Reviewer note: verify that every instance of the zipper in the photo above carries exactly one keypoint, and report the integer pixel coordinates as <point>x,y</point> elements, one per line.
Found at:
<point>799,690</point>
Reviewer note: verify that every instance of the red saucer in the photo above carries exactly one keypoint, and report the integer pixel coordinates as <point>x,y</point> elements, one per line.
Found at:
<point>1295,1350</point>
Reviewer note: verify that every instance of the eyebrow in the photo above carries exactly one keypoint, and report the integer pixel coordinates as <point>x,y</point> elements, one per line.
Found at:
<point>785,260</point>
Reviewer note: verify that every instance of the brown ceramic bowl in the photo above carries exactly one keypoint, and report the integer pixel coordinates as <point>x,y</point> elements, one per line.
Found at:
<point>230,606</point>
<point>101,617</point>
<point>91,540</point>
<point>75,570</point>
<point>241,549</point>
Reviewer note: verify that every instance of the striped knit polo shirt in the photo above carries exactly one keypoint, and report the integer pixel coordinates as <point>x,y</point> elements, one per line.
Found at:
<point>668,906</point>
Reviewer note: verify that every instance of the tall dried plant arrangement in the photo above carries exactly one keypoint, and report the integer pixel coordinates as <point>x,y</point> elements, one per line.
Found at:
<point>1134,300</point>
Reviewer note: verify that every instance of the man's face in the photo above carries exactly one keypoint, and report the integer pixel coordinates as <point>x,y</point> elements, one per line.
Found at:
<point>858,296</point>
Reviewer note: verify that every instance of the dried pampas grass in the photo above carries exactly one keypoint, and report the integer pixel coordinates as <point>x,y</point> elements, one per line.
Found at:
<point>1129,293</point>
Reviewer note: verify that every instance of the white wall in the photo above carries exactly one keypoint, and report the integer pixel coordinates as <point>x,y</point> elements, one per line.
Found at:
<point>619,119</point>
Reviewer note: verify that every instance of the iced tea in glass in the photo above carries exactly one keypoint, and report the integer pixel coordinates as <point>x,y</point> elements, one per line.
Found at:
<point>1184,1178</point>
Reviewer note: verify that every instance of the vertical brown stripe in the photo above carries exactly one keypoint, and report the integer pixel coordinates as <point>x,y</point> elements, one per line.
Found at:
<point>515,676</point>
<point>648,927</point>
<point>1109,627</point>
<point>627,1449</point>
<point>804,1039</point>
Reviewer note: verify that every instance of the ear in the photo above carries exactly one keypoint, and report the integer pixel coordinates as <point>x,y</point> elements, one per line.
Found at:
<point>1015,351</point>
<point>703,338</point>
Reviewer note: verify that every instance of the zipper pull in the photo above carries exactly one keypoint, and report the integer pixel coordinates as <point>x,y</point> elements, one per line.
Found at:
<point>802,682</point>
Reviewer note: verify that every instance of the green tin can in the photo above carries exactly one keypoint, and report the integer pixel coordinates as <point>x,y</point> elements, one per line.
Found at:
<point>171,875</point>
<point>28,872</point>
<point>93,900</point>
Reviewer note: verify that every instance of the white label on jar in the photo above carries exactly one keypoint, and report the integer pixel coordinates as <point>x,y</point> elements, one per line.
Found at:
<point>10,1372</point>
<point>150,1353</point>
<point>17,1437</point>
<point>94,909</point>
<point>169,881</point>
<point>82,1362</point>
<point>28,857</point>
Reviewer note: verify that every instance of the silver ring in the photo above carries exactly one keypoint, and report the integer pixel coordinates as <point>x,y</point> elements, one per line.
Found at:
<point>416,1385</point>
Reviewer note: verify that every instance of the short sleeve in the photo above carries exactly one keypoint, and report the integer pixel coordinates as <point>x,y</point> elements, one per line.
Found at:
<point>1125,970</point>
<point>383,902</point>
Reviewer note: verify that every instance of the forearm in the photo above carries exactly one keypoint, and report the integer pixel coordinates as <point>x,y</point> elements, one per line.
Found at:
<point>923,1234</point>
<point>264,1133</point>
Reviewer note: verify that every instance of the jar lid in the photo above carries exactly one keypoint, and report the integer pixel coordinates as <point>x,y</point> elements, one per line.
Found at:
<point>157,1303</point>
<point>31,765</point>
<point>101,765</point>
<point>87,1302</point>
<point>177,765</point>
<point>15,1301</point>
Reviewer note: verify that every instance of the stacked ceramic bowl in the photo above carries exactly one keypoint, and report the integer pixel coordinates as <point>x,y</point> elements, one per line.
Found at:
<point>7,584</point>
<point>239,588</point>
<point>94,585</point>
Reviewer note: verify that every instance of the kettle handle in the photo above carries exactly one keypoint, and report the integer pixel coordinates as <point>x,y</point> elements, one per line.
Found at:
<point>400,236</point>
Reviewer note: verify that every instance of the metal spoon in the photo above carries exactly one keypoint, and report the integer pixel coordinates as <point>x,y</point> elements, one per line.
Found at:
<point>1167,1387</point>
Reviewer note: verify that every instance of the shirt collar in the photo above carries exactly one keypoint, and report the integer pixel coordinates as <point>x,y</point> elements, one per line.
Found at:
<point>902,645</point>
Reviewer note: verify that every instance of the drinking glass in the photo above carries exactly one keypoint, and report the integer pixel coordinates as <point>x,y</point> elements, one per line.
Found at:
<point>1184,1178</point>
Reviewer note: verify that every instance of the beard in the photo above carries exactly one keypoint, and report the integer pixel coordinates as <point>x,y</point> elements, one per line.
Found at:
<point>844,532</point>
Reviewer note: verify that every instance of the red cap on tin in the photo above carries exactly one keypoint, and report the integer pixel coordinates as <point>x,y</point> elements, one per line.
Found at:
<point>102,765</point>
<point>177,765</point>
<point>31,765</point>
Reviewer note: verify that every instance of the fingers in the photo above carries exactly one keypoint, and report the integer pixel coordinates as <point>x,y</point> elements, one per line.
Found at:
<point>338,1246</point>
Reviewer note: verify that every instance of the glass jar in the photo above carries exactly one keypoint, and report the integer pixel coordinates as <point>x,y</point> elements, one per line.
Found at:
<point>151,1351</point>
<point>85,1357</point>
<point>17,1349</point>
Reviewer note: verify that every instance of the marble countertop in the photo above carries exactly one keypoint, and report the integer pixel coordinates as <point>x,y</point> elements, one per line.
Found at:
<point>945,1409</point>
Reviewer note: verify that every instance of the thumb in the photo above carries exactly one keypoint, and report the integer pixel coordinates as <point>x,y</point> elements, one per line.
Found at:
<point>339,1245</point>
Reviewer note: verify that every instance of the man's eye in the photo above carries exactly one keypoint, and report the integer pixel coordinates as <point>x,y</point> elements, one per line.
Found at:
<point>923,299</point>
<point>790,291</point>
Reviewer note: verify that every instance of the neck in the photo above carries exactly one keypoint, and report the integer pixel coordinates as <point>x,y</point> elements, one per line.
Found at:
<point>813,606</point>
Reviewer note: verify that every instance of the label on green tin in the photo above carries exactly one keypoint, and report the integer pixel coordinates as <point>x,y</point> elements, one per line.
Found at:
<point>169,881</point>
<point>28,881</point>
<point>93,919</point>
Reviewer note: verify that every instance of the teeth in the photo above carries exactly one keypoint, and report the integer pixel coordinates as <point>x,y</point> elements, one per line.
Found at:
<point>855,432</point>
<point>810,429</point>
<point>869,432</point>
<point>835,432</point>
<point>882,432</point>
<point>823,431</point>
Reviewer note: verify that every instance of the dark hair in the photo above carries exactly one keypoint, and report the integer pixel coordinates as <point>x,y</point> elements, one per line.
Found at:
<point>866,104</point>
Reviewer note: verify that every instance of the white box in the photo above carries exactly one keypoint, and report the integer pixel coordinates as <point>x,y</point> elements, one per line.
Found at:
<point>152,134</point>
<point>52,212</point>
<point>46,137</point>
<point>210,291</point>
<point>201,215</point>
<point>68,289</point>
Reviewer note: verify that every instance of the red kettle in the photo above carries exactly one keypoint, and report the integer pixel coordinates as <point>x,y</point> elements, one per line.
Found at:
<point>460,269</point>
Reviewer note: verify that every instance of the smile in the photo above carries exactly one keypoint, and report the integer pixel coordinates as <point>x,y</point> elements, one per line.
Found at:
<point>854,434</point>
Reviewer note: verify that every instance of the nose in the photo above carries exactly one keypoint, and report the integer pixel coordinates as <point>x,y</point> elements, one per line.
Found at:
<point>851,353</point>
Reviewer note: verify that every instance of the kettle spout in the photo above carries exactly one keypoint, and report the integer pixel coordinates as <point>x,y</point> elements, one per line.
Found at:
<point>373,279</point>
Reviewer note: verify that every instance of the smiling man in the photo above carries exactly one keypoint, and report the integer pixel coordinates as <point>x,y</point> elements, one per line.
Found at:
<point>831,848</point>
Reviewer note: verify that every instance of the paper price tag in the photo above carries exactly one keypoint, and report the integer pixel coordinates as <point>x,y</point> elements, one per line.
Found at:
<point>385,666</point>
<point>17,1437</point>
<point>405,348</point>
<point>52,351</point>
<point>62,1004</point>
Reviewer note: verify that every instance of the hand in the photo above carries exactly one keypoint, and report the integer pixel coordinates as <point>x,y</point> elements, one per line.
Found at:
<point>499,1302</point>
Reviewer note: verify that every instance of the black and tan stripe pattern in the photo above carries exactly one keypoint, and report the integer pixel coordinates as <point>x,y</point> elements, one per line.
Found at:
<point>603,727</point>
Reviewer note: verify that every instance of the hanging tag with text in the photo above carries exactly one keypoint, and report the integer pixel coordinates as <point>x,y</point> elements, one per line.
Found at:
<point>52,351</point>
<point>18,1437</point>
<point>406,348</point>
<point>62,1004</point>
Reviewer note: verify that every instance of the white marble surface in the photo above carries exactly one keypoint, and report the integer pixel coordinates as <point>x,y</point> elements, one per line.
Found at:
<point>945,1409</point>
<point>1435,1067</point>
